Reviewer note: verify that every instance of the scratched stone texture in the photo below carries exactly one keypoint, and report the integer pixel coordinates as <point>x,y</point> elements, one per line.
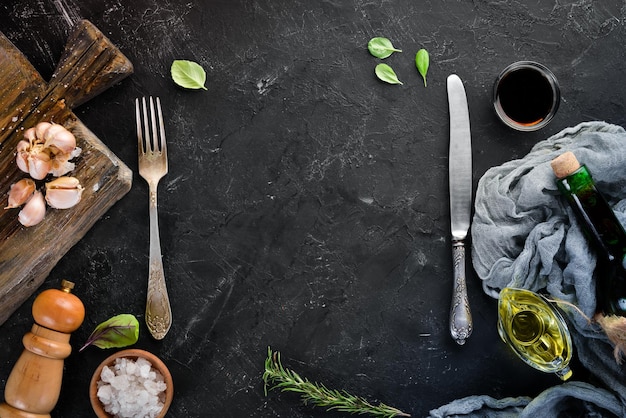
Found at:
<point>306,206</point>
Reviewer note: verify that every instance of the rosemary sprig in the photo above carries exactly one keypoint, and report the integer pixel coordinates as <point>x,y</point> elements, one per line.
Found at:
<point>287,380</point>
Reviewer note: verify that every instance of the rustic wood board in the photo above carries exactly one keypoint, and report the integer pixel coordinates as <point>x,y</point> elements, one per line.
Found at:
<point>89,65</point>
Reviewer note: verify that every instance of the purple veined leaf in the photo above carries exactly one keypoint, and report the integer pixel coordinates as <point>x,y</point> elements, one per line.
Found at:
<point>119,331</point>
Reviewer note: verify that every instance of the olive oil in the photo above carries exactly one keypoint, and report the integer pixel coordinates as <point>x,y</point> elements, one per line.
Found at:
<point>535,331</point>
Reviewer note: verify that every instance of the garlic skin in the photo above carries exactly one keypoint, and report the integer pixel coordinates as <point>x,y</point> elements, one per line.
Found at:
<point>64,192</point>
<point>61,164</point>
<point>20,192</point>
<point>33,211</point>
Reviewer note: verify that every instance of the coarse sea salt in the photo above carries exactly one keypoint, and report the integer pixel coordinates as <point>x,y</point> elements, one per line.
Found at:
<point>131,389</point>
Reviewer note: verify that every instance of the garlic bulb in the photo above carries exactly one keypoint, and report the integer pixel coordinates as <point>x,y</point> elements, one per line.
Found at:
<point>33,211</point>
<point>46,149</point>
<point>64,192</point>
<point>20,192</point>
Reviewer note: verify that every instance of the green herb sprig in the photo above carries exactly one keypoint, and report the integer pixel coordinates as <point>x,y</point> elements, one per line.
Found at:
<point>278,377</point>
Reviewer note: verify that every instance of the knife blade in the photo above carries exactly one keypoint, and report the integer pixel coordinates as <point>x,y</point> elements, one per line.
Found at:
<point>460,182</point>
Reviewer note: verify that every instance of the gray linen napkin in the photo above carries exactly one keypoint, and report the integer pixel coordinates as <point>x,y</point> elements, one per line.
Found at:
<point>525,235</point>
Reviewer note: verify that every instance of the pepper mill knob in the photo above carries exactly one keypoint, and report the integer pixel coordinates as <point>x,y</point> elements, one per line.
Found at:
<point>34,385</point>
<point>59,309</point>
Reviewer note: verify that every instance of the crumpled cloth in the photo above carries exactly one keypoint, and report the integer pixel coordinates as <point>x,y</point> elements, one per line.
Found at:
<point>525,235</point>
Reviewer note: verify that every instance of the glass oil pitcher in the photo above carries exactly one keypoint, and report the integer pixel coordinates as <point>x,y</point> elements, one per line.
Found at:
<point>535,330</point>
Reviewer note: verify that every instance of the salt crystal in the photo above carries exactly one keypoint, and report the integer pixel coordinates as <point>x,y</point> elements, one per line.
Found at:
<point>105,392</point>
<point>120,383</point>
<point>131,389</point>
<point>107,374</point>
<point>131,368</point>
<point>144,371</point>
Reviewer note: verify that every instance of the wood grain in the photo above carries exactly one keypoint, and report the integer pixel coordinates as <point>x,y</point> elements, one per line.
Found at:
<point>89,65</point>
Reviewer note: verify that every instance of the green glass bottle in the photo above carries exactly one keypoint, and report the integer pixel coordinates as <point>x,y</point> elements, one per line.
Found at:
<point>601,227</point>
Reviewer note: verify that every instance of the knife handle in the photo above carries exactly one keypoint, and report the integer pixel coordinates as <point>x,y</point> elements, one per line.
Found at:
<point>460,315</point>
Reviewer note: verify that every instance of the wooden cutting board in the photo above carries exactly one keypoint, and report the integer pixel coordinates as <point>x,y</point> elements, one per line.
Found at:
<point>90,64</point>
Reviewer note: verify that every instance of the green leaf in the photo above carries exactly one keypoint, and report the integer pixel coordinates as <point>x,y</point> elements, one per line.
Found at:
<point>422,61</point>
<point>381,47</point>
<point>386,74</point>
<point>188,74</point>
<point>119,331</point>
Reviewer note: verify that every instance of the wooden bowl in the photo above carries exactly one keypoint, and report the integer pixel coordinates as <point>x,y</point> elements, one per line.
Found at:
<point>132,354</point>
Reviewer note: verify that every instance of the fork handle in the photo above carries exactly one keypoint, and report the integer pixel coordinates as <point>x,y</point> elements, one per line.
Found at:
<point>158,310</point>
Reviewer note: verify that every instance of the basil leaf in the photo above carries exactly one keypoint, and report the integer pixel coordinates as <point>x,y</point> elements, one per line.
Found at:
<point>422,61</point>
<point>188,74</point>
<point>386,74</point>
<point>119,331</point>
<point>381,47</point>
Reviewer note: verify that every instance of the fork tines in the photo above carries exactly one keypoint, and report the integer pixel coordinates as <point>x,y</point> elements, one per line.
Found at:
<point>154,139</point>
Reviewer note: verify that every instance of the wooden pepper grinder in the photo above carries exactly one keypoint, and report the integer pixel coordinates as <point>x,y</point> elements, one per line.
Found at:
<point>33,387</point>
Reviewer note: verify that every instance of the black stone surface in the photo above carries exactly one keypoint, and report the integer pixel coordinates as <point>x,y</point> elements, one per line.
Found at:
<point>306,205</point>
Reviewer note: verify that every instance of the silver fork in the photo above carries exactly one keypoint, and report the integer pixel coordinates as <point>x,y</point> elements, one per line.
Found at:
<point>152,167</point>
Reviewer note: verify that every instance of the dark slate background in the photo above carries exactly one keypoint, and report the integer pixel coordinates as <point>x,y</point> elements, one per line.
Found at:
<point>306,206</point>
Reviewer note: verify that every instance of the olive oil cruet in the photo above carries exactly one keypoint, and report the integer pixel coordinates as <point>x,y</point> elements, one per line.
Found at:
<point>535,330</point>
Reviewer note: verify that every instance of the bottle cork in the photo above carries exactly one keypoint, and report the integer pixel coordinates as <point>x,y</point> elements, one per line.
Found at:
<point>565,164</point>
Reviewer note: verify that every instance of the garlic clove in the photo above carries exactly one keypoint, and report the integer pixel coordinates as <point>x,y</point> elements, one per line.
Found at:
<point>33,211</point>
<point>20,192</point>
<point>23,146</point>
<point>59,139</point>
<point>64,192</point>
<point>39,165</point>
<point>63,198</point>
<point>66,182</point>
<point>21,158</point>
<point>40,130</point>
<point>30,135</point>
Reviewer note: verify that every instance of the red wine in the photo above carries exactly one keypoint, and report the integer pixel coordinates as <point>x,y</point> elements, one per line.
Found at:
<point>526,96</point>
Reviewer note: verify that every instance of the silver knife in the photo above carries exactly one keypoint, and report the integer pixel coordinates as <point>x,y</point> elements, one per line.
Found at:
<point>460,178</point>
